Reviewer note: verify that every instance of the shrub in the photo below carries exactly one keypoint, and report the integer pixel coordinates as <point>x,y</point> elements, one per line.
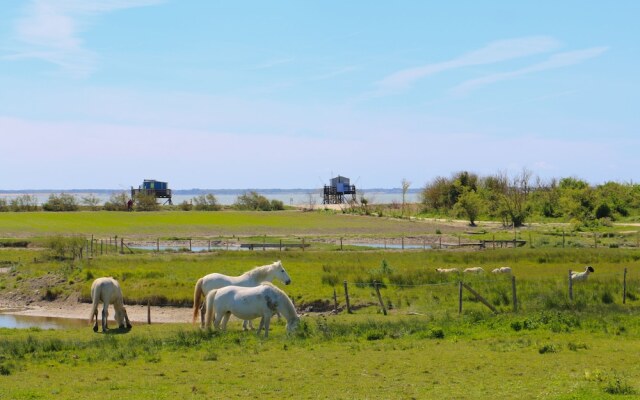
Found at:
<point>4,206</point>
<point>61,247</point>
<point>186,206</point>
<point>206,203</point>
<point>62,202</point>
<point>25,202</point>
<point>117,202</point>
<point>252,201</point>
<point>146,202</point>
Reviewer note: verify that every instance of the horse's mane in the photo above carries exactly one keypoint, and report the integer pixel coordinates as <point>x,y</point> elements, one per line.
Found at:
<point>287,303</point>
<point>259,273</point>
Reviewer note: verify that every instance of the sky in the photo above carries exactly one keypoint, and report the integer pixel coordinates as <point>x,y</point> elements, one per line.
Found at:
<point>288,94</point>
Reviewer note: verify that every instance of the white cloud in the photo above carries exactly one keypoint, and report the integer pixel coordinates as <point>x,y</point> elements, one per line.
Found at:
<point>494,52</point>
<point>51,31</point>
<point>559,60</point>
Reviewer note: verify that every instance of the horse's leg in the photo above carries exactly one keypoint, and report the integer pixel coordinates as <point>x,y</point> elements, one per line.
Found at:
<point>216,321</point>
<point>261,326</point>
<point>266,325</point>
<point>202,311</point>
<point>225,320</point>
<point>95,324</point>
<point>105,315</point>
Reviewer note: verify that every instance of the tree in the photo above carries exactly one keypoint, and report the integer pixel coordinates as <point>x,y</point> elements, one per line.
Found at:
<point>469,203</point>
<point>117,202</point>
<point>513,205</point>
<point>405,189</point>
<point>253,201</point>
<point>146,202</point>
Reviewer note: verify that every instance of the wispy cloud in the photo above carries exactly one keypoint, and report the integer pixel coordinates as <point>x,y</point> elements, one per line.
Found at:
<point>559,60</point>
<point>51,31</point>
<point>493,52</point>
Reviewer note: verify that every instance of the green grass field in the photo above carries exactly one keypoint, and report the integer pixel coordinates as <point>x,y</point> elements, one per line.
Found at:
<point>552,347</point>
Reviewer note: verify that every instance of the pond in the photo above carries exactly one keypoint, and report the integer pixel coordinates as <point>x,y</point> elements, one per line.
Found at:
<point>28,321</point>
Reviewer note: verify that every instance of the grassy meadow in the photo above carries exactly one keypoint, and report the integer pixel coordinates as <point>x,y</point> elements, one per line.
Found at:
<point>551,347</point>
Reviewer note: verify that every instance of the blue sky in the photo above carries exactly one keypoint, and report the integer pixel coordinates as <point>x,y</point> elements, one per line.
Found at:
<point>287,94</point>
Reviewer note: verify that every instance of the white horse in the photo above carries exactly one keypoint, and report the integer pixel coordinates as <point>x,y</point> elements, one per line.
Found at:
<point>474,270</point>
<point>107,291</point>
<point>248,303</point>
<point>582,276</point>
<point>255,277</point>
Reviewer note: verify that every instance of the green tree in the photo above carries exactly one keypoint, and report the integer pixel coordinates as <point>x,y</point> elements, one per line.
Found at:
<point>117,202</point>
<point>206,202</point>
<point>470,204</point>
<point>145,202</point>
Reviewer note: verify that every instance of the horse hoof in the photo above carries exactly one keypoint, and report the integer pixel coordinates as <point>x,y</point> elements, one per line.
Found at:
<point>95,329</point>
<point>129,327</point>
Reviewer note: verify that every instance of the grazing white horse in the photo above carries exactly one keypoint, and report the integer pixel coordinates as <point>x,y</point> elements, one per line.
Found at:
<point>107,291</point>
<point>447,270</point>
<point>502,270</point>
<point>248,303</point>
<point>255,277</point>
<point>474,270</point>
<point>582,276</point>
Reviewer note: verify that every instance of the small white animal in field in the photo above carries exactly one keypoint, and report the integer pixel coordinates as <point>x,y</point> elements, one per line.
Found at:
<point>502,270</point>
<point>582,276</point>
<point>448,270</point>
<point>107,291</point>
<point>474,270</point>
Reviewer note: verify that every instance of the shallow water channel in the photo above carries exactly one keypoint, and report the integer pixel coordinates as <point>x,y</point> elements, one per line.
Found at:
<point>28,321</point>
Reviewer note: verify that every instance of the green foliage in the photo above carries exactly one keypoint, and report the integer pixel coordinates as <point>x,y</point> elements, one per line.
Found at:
<point>24,202</point>
<point>61,247</point>
<point>206,202</point>
<point>62,202</point>
<point>117,202</point>
<point>256,202</point>
<point>146,201</point>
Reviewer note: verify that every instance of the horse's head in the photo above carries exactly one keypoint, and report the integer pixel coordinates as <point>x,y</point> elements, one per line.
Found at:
<point>280,273</point>
<point>122,318</point>
<point>293,324</point>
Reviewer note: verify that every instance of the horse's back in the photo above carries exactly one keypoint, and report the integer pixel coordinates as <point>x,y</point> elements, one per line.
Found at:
<point>105,289</point>
<point>243,302</point>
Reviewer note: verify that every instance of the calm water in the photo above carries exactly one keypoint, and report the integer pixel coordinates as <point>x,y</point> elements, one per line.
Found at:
<point>25,321</point>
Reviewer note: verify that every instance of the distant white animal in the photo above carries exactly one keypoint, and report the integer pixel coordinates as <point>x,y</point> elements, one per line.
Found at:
<point>448,270</point>
<point>502,270</point>
<point>474,270</point>
<point>248,303</point>
<point>582,276</point>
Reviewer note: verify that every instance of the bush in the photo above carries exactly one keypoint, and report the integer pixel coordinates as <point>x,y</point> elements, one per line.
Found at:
<point>61,247</point>
<point>254,202</point>
<point>206,203</point>
<point>25,202</point>
<point>62,202</point>
<point>186,206</point>
<point>146,202</point>
<point>4,206</point>
<point>117,202</point>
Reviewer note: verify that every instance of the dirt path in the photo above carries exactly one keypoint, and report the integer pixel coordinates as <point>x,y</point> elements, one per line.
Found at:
<point>65,309</point>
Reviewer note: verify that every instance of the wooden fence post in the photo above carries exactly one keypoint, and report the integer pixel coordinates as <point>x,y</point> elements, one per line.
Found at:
<point>402,249</point>
<point>121,245</point>
<point>303,244</point>
<point>190,244</point>
<point>624,287</point>
<point>440,242</point>
<point>514,295</point>
<point>595,240</point>
<point>570,287</point>
<point>341,244</point>
<point>346,295</point>
<point>480,298</point>
<point>148,311</point>
<point>460,297</point>
<point>563,238</point>
<point>335,300</point>
<point>377,286</point>
<point>281,245</point>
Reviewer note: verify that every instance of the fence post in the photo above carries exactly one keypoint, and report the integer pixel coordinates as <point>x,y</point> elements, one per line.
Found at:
<point>624,287</point>
<point>377,286</point>
<point>494,242</point>
<point>121,245</point>
<point>346,295</point>
<point>281,245</point>
<point>402,248</point>
<point>513,291</point>
<point>440,243</point>
<point>595,240</point>
<point>264,241</point>
<point>340,243</point>
<point>148,311</point>
<point>570,287</point>
<point>303,244</point>
<point>460,297</point>
<point>335,300</point>
<point>190,244</point>
<point>563,238</point>
<point>209,245</point>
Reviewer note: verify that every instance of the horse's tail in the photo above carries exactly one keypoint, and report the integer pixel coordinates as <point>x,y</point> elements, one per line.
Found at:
<point>94,306</point>
<point>210,307</point>
<point>197,296</point>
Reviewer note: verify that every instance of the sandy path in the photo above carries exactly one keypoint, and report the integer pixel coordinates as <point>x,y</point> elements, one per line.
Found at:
<point>83,310</point>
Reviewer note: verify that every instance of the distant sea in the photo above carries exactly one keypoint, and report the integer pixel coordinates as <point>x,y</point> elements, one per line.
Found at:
<point>291,197</point>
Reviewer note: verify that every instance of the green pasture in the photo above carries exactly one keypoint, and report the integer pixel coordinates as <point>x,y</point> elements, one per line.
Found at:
<point>340,357</point>
<point>551,347</point>
<point>201,224</point>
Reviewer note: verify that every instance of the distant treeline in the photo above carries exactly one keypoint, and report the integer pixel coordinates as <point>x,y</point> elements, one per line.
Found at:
<point>516,199</point>
<point>120,201</point>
